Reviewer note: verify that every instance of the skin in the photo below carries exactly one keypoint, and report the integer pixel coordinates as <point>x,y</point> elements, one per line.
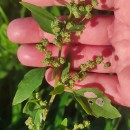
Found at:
<point>104,35</point>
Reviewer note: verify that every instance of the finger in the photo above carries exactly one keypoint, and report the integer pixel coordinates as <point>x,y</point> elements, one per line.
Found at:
<point>103,4</point>
<point>107,83</point>
<point>26,30</point>
<point>79,54</point>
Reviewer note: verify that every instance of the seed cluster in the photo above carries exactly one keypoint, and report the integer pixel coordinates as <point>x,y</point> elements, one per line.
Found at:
<point>82,8</point>
<point>91,64</point>
<point>62,29</point>
<point>81,125</point>
<point>29,122</point>
<point>49,60</point>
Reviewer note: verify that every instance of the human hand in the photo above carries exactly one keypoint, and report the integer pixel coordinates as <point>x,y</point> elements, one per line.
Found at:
<point>103,35</point>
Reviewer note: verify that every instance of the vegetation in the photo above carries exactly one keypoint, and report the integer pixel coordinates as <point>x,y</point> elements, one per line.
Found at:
<point>11,73</point>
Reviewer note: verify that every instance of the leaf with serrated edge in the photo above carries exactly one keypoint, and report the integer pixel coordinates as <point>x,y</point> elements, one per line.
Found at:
<point>32,80</point>
<point>106,110</point>
<point>41,15</point>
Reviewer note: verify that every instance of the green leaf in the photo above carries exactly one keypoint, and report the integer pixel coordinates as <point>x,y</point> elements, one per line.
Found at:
<point>75,28</point>
<point>31,108</point>
<point>32,80</point>
<point>38,117</point>
<point>94,102</point>
<point>84,103</point>
<point>16,113</point>
<point>66,66</point>
<point>41,15</point>
<point>65,100</point>
<point>64,122</point>
<point>3,74</point>
<point>63,125</point>
<point>58,90</point>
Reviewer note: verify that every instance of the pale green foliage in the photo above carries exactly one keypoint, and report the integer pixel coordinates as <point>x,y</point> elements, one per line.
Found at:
<point>31,81</point>
<point>41,15</point>
<point>99,106</point>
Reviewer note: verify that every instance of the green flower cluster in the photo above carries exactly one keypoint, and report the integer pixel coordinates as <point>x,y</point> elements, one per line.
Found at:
<point>62,29</point>
<point>81,125</point>
<point>30,124</point>
<point>82,8</point>
<point>91,64</point>
<point>59,30</point>
<point>107,64</point>
<point>38,105</point>
<point>49,60</point>
<point>67,81</point>
<point>42,103</point>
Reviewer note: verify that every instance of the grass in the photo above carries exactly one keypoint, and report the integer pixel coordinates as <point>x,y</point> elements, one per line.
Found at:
<point>11,72</point>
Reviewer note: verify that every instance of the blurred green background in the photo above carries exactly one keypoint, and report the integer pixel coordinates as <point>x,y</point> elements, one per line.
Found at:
<point>11,72</point>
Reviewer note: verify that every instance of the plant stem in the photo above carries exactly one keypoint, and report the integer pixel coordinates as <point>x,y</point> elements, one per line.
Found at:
<point>47,109</point>
<point>55,85</point>
<point>49,105</point>
<point>82,20</point>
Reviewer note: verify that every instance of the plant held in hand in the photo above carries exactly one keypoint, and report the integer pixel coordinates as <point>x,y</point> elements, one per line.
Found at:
<point>91,99</point>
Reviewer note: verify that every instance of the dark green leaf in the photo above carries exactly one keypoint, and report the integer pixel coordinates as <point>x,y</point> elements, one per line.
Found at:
<point>58,90</point>
<point>41,15</point>
<point>94,102</point>
<point>3,74</point>
<point>65,100</point>
<point>32,80</point>
<point>31,108</point>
